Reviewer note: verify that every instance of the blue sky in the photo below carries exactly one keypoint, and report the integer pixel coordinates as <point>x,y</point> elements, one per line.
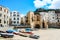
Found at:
<point>23,6</point>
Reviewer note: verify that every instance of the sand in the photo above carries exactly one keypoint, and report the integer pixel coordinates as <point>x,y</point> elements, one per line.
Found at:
<point>49,34</point>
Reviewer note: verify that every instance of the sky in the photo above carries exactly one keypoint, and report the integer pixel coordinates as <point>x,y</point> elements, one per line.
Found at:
<point>47,4</point>
<point>24,6</point>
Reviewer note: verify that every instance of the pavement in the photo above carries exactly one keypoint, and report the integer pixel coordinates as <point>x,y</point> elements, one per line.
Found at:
<point>45,34</point>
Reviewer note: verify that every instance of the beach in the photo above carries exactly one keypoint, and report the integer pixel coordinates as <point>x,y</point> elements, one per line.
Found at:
<point>45,34</point>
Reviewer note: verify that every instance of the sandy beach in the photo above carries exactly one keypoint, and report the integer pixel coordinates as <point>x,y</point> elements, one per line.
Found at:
<point>49,34</point>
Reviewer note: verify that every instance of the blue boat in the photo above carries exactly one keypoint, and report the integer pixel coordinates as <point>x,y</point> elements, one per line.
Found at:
<point>28,29</point>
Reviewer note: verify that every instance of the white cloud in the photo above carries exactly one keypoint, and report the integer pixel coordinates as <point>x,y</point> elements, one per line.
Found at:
<point>54,3</point>
<point>22,15</point>
<point>38,3</point>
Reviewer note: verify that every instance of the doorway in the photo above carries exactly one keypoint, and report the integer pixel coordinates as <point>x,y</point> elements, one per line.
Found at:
<point>37,26</point>
<point>43,24</point>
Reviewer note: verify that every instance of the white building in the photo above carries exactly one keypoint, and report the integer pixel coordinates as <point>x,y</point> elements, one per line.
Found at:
<point>15,18</point>
<point>44,15</point>
<point>4,16</point>
<point>50,16</point>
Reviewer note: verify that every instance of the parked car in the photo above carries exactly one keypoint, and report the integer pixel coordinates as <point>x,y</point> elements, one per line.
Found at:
<point>7,35</point>
<point>34,36</point>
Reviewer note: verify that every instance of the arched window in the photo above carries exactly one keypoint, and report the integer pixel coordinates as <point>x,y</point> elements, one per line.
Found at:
<point>0,20</point>
<point>14,18</point>
<point>0,8</point>
<point>4,10</point>
<point>32,18</point>
<point>38,18</point>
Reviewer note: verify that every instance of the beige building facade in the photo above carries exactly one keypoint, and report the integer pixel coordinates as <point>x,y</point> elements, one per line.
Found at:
<point>35,20</point>
<point>22,20</point>
<point>4,16</point>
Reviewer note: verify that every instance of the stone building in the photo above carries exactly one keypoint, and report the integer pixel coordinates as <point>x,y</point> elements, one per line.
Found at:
<point>49,16</point>
<point>29,18</point>
<point>23,22</point>
<point>44,18</point>
<point>35,21</point>
<point>52,17</point>
<point>4,16</point>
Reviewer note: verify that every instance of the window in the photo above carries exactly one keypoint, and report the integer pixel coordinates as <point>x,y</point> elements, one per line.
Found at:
<point>53,17</point>
<point>14,19</point>
<point>1,25</point>
<point>4,15</point>
<point>14,15</point>
<point>38,19</point>
<point>17,15</point>
<point>26,20</point>
<point>4,21</point>
<point>14,12</point>
<point>17,18</point>
<point>0,14</point>
<point>0,20</point>
<point>7,11</point>
<point>26,17</point>
<point>17,21</point>
<point>0,8</point>
<point>32,18</point>
<point>58,20</point>
<point>4,10</point>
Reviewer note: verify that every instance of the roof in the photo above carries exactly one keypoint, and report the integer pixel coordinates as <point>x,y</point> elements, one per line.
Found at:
<point>4,7</point>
